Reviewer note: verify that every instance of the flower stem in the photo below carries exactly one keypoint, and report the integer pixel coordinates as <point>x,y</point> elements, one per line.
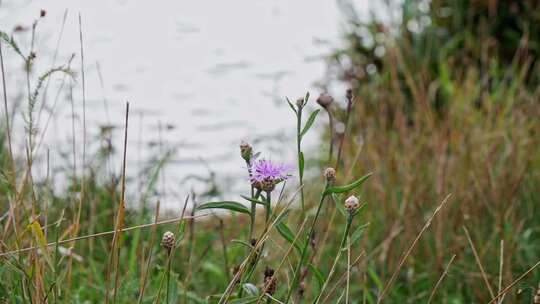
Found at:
<point>168,279</point>
<point>252,214</point>
<point>342,244</point>
<point>295,282</point>
<point>299,155</point>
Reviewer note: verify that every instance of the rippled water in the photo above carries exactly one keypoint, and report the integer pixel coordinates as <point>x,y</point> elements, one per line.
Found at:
<point>199,75</point>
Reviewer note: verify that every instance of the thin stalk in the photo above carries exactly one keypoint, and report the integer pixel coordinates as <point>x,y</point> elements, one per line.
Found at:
<point>224,249</point>
<point>331,126</point>
<point>342,244</point>
<point>150,250</point>
<point>168,279</point>
<point>95,235</point>
<point>8,126</point>
<point>443,275</point>
<point>299,156</point>
<point>350,102</point>
<point>295,282</point>
<point>258,256</point>
<point>252,215</point>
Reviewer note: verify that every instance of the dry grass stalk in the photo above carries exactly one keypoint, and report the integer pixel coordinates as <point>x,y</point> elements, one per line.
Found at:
<point>441,278</point>
<point>408,252</point>
<point>478,262</point>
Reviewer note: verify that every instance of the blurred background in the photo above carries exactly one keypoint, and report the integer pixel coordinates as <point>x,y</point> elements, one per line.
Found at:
<point>200,77</point>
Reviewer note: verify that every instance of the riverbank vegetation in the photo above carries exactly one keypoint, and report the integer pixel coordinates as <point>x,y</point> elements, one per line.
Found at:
<point>429,170</point>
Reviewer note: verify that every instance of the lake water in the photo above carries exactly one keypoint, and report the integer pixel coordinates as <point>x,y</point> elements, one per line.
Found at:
<point>199,75</point>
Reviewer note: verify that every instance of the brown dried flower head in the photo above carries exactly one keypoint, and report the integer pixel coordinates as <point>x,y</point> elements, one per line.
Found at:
<point>330,174</point>
<point>167,241</point>
<point>246,151</point>
<point>325,100</point>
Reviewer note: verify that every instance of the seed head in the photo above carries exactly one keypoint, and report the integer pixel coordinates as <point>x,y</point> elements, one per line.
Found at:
<point>349,95</point>
<point>167,241</point>
<point>269,281</point>
<point>352,203</point>
<point>325,100</point>
<point>246,151</point>
<point>330,174</point>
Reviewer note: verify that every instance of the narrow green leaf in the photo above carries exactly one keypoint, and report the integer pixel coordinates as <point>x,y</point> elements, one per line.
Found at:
<point>229,205</point>
<point>309,122</point>
<point>339,204</point>
<point>306,98</point>
<point>318,275</point>
<point>250,289</point>
<point>375,278</point>
<point>242,243</point>
<point>256,201</point>
<point>349,187</point>
<point>301,163</point>
<point>291,105</point>
<point>288,235</point>
<point>357,234</point>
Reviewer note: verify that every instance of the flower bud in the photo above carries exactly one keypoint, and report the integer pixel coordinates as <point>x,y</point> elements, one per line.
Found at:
<point>325,100</point>
<point>167,241</point>
<point>330,174</point>
<point>352,203</point>
<point>42,13</point>
<point>246,151</point>
<point>300,102</point>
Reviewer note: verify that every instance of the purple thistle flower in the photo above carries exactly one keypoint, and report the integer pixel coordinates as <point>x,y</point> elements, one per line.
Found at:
<point>266,174</point>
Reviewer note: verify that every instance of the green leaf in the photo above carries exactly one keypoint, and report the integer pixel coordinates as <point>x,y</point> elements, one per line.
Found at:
<point>309,122</point>
<point>349,187</point>
<point>253,200</point>
<point>250,289</point>
<point>242,243</point>
<point>357,234</point>
<point>288,235</point>
<point>318,275</point>
<point>306,98</point>
<point>301,163</point>
<point>291,105</point>
<point>339,204</point>
<point>375,278</point>
<point>229,205</point>
<point>245,300</point>
<point>37,231</point>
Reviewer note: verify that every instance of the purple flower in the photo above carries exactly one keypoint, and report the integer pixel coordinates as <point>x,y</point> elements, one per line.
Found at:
<point>265,175</point>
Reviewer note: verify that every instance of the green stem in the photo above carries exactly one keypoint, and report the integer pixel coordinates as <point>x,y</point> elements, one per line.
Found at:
<point>168,278</point>
<point>295,282</point>
<point>268,206</point>
<point>258,257</point>
<point>252,214</point>
<point>342,244</point>
<point>299,152</point>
